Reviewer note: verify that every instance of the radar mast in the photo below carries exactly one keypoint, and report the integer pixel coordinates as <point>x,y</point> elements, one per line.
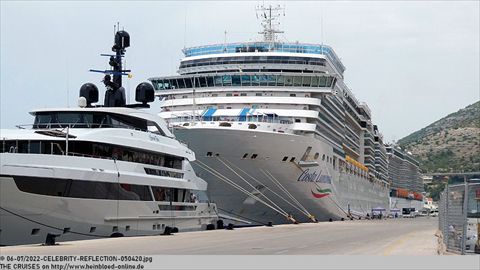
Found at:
<point>268,16</point>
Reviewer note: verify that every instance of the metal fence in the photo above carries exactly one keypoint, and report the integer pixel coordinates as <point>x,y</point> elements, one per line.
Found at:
<point>459,216</point>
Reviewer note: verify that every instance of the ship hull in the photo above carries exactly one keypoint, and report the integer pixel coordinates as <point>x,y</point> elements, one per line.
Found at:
<point>261,163</point>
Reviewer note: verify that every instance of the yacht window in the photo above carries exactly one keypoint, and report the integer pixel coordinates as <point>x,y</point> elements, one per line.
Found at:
<point>214,95</point>
<point>228,94</point>
<point>82,189</point>
<point>154,128</point>
<point>285,158</point>
<point>258,94</point>
<point>292,159</point>
<point>254,156</point>
<point>245,155</point>
<point>293,95</point>
<point>243,94</point>
<point>297,120</point>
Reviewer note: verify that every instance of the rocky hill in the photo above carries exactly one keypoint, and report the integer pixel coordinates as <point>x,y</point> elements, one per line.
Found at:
<point>451,144</point>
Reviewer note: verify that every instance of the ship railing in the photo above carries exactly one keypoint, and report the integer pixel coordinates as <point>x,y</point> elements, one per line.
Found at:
<point>64,125</point>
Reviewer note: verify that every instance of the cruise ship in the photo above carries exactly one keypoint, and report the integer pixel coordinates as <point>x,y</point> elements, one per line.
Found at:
<point>98,171</point>
<point>277,132</point>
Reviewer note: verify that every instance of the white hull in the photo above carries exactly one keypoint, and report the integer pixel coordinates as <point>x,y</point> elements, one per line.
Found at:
<point>27,218</point>
<point>349,193</point>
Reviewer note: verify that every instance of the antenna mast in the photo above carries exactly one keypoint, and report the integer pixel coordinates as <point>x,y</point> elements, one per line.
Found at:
<point>270,27</point>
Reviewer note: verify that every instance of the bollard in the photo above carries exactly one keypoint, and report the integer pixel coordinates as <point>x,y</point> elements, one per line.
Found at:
<point>220,224</point>
<point>50,239</point>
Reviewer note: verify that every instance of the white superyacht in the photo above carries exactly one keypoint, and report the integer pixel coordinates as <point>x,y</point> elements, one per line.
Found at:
<point>92,171</point>
<point>277,133</point>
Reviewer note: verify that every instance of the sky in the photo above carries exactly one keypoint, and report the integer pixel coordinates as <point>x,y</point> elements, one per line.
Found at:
<point>412,62</point>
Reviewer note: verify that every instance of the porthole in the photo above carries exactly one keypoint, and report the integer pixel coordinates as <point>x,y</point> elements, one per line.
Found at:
<point>316,155</point>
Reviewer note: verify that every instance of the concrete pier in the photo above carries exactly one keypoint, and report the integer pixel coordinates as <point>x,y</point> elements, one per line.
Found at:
<point>402,236</point>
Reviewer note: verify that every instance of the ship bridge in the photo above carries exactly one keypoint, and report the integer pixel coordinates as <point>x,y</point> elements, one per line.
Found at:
<point>256,52</point>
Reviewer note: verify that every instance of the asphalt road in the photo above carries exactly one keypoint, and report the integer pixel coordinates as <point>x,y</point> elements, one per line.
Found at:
<point>361,237</point>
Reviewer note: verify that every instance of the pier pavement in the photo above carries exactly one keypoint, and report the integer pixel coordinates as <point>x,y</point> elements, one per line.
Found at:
<point>402,236</point>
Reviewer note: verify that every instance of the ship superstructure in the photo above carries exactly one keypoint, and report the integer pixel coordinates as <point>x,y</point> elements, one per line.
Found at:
<point>279,129</point>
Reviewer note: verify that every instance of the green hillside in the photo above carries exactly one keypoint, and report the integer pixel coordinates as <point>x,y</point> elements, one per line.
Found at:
<point>451,144</point>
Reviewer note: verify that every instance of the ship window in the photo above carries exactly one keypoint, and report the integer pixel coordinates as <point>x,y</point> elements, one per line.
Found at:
<point>293,95</point>
<point>82,189</point>
<point>66,230</point>
<point>255,80</point>
<point>245,155</point>
<point>258,94</point>
<point>188,82</point>
<point>218,81</point>
<point>227,80</point>
<point>254,156</point>
<point>314,82</point>
<point>306,82</point>
<point>209,154</point>
<point>288,81</point>
<point>292,159</point>
<point>285,158</point>
<point>115,229</point>
<point>127,228</point>
<point>203,81</point>
<point>181,83</point>
<point>329,81</point>
<point>214,95</point>
<point>246,80</point>
<point>272,80</point>
<point>35,231</point>
<point>297,81</point>
<point>243,94</point>
<point>280,80</point>
<point>93,229</point>
<point>228,94</point>
<point>322,82</point>
<point>236,80</point>
<point>323,157</point>
<point>298,120</point>
<point>210,82</point>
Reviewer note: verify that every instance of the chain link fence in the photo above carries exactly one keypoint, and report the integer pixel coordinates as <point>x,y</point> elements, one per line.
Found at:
<point>459,217</point>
